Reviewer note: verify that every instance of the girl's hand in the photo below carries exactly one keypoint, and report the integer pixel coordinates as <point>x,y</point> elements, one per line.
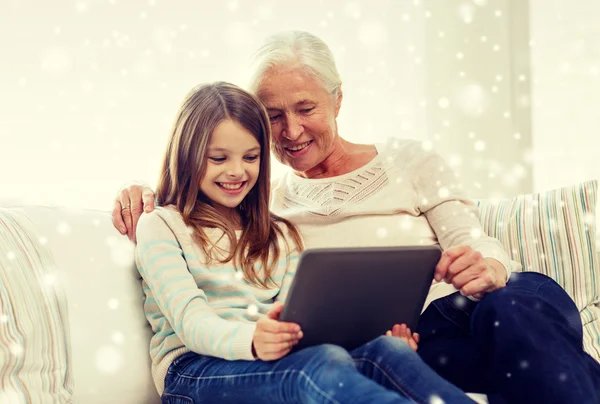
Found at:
<point>273,339</point>
<point>402,331</point>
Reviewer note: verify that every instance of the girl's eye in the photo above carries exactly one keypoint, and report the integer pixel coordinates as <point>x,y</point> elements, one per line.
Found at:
<point>217,159</point>
<point>252,158</point>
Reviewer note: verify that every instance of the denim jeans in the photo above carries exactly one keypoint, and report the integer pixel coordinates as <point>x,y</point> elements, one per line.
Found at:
<point>520,344</point>
<point>385,370</point>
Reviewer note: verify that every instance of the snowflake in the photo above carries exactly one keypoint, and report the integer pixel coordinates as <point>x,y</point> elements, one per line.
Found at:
<point>382,232</point>
<point>435,399</point>
<point>16,349</point>
<point>443,192</point>
<point>117,337</point>
<point>480,145</point>
<point>476,233</point>
<point>472,99</point>
<point>252,310</point>
<point>49,280</point>
<point>427,145</point>
<point>63,229</point>
<point>460,301</point>
<point>108,359</point>
<point>405,223</point>
<point>113,304</point>
<point>466,12</point>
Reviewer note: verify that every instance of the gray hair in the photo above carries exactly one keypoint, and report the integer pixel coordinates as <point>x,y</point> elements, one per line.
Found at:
<point>297,48</point>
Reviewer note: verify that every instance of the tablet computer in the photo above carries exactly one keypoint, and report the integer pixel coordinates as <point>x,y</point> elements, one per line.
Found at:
<point>350,296</point>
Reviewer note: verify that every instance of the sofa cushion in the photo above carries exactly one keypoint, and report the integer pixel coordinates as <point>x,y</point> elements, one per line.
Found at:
<point>35,362</point>
<point>109,332</point>
<point>553,233</point>
<point>590,317</point>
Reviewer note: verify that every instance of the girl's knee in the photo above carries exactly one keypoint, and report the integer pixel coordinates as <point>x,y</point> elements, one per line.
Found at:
<point>385,345</point>
<point>328,354</point>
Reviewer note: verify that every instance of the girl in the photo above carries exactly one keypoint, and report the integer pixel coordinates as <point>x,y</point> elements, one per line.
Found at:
<point>216,265</point>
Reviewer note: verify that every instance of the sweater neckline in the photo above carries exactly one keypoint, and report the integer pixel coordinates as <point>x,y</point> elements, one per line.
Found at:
<point>353,173</point>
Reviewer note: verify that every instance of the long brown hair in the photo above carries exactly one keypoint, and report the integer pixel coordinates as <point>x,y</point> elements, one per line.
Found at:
<point>184,165</point>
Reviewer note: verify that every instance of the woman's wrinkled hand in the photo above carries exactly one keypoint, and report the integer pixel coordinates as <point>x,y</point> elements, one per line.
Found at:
<point>469,272</point>
<point>130,203</point>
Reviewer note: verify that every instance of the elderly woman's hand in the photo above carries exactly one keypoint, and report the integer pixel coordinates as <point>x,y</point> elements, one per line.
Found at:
<point>130,203</point>
<point>469,272</point>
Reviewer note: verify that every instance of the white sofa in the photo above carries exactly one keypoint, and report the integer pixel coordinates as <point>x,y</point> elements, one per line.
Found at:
<point>109,334</point>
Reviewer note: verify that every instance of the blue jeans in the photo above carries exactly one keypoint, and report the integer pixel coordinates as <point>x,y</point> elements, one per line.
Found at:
<point>520,344</point>
<point>386,370</point>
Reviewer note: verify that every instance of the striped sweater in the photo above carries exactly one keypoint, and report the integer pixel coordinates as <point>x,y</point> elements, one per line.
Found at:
<point>192,306</point>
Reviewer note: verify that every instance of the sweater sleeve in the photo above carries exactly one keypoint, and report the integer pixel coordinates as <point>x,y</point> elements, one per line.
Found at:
<point>453,217</point>
<point>288,277</point>
<point>290,261</point>
<point>160,260</point>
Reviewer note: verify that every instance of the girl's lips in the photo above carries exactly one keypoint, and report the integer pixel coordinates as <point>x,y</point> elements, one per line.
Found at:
<point>232,191</point>
<point>301,152</point>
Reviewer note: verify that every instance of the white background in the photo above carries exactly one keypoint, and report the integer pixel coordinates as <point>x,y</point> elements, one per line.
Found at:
<point>507,90</point>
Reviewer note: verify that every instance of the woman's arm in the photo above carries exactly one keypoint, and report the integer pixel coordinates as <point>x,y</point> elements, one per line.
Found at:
<point>470,255</point>
<point>160,260</point>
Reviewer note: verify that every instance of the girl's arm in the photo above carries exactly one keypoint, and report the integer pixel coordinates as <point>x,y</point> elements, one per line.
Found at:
<point>160,260</point>
<point>292,263</point>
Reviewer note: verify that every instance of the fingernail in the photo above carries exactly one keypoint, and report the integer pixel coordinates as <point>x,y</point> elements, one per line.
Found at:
<point>123,230</point>
<point>300,334</point>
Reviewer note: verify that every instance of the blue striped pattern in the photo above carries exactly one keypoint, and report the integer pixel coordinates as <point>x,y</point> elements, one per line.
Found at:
<point>192,306</point>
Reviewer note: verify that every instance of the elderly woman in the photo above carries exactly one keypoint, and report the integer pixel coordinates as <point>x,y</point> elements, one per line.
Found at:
<point>510,339</point>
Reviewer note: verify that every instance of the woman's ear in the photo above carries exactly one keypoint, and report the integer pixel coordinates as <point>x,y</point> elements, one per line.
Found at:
<point>338,100</point>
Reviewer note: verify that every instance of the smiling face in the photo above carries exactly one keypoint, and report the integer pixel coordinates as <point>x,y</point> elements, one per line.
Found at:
<point>232,166</point>
<point>303,117</point>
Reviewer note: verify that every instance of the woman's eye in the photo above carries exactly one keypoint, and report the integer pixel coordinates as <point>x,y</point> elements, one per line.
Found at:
<point>306,110</point>
<point>217,159</point>
<point>274,117</point>
<point>252,158</point>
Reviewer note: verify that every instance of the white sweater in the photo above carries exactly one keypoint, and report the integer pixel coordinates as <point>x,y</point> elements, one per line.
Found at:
<point>406,195</point>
